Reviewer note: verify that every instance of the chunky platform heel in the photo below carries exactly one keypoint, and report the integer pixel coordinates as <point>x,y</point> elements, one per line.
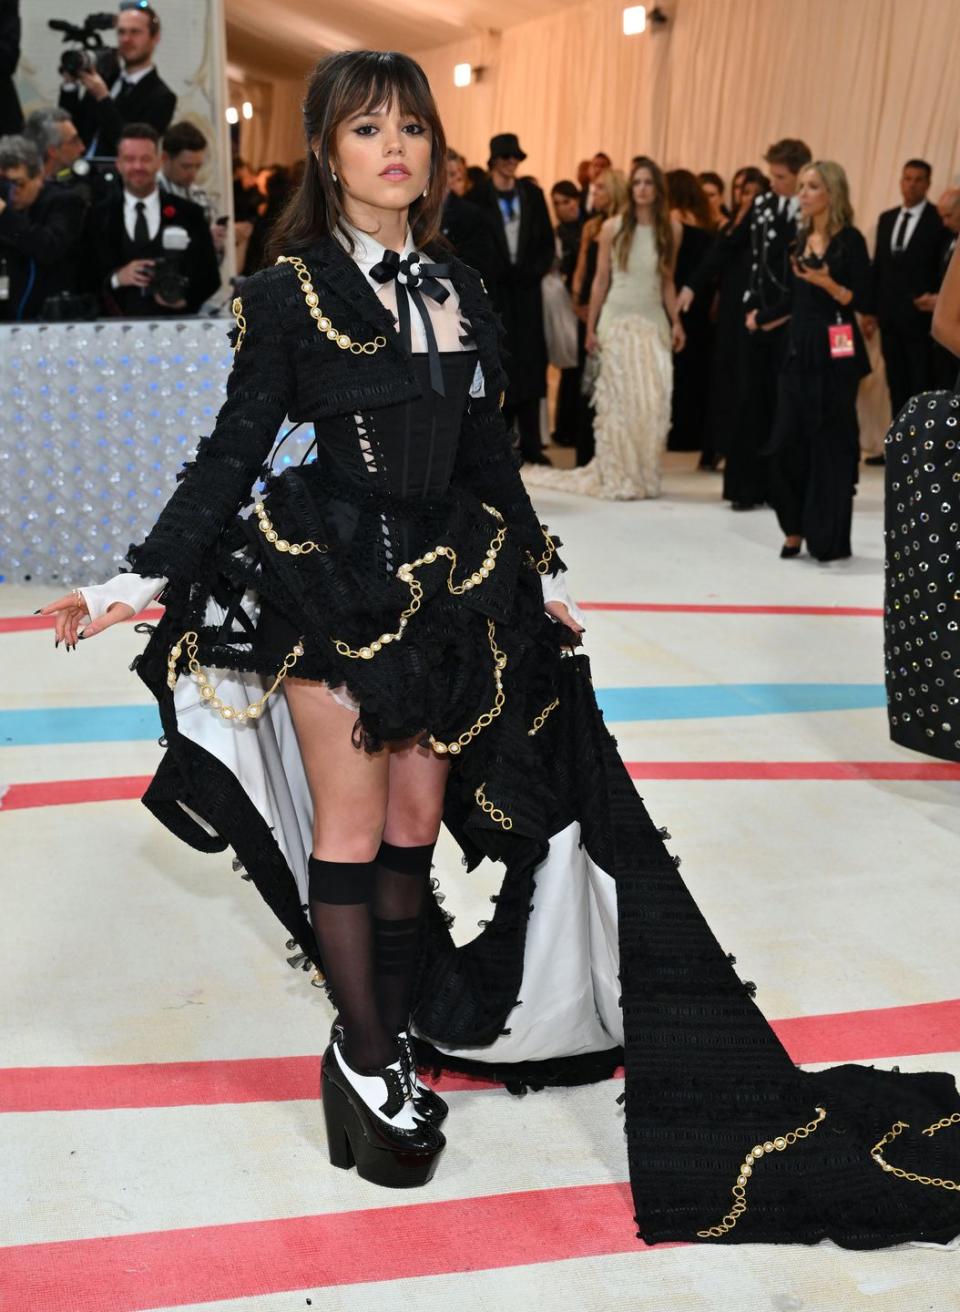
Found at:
<point>358,1134</point>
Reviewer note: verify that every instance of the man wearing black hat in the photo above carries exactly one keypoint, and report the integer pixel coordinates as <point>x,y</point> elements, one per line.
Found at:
<point>525,248</point>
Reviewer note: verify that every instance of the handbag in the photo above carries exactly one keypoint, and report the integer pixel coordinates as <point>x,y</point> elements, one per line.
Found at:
<point>922,589</point>
<point>559,322</point>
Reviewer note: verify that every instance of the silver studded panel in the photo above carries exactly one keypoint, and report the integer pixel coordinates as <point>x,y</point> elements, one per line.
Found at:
<point>922,592</point>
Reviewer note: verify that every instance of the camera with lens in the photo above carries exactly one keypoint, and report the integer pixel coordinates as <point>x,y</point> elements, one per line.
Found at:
<point>86,52</point>
<point>169,282</point>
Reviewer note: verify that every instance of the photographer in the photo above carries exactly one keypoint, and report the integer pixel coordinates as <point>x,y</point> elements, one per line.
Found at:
<point>53,133</point>
<point>150,253</point>
<point>40,224</point>
<point>137,95</point>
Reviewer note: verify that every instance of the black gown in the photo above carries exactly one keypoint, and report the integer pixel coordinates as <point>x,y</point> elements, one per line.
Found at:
<point>815,448</point>
<point>481,667</point>
<point>691,366</point>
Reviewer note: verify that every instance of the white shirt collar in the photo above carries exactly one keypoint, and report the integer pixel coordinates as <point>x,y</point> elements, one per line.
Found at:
<point>368,251</point>
<point>151,202</point>
<point>138,76</point>
<point>914,210</point>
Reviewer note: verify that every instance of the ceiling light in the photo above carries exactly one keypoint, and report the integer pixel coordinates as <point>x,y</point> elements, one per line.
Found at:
<point>634,20</point>
<point>462,75</point>
<point>232,115</point>
<point>247,109</point>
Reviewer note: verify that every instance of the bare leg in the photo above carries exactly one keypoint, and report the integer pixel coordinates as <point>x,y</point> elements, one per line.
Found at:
<point>349,790</point>
<point>414,809</point>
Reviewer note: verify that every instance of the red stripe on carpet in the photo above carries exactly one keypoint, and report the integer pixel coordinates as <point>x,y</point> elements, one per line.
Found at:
<point>838,1037</point>
<point>126,1273</point>
<point>64,792</point>
<point>679,608</point>
<point>838,770</point>
<point>25,623</point>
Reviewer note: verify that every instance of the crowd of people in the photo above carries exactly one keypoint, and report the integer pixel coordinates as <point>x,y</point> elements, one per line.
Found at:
<point>729,325</point>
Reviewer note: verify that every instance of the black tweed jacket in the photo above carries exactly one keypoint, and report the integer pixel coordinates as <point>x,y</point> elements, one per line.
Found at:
<point>286,365</point>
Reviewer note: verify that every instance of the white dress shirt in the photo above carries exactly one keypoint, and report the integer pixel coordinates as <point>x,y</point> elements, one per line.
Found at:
<point>151,211</point>
<point>914,217</point>
<point>131,78</point>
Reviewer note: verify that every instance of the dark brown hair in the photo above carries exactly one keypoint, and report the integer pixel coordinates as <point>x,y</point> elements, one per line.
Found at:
<point>686,193</point>
<point>183,136</point>
<point>660,215</point>
<point>139,132</point>
<point>343,84</point>
<point>791,151</point>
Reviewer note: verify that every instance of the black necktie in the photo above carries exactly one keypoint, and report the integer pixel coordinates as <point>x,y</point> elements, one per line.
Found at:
<point>125,89</point>
<point>900,239</point>
<point>414,276</point>
<point>141,232</point>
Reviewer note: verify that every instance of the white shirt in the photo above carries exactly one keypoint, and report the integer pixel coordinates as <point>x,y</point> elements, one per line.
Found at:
<point>914,216</point>
<point>132,78</point>
<point>151,211</point>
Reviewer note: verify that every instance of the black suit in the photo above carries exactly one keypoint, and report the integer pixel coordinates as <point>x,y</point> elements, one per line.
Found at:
<point>897,279</point>
<point>11,115</point>
<point>148,101</point>
<point>42,248</point>
<point>517,297</point>
<point>470,231</point>
<point>109,247</point>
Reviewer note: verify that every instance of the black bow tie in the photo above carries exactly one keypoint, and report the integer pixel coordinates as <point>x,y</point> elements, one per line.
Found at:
<point>416,279</point>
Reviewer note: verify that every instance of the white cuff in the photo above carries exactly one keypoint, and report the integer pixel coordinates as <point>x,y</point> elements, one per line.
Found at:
<point>555,589</point>
<point>132,589</point>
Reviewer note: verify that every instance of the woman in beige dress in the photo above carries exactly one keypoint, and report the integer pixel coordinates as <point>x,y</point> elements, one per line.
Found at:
<point>634,327</point>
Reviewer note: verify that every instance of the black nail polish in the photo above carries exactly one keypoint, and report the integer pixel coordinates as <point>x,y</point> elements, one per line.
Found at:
<point>80,637</point>
<point>56,644</point>
<point>38,610</point>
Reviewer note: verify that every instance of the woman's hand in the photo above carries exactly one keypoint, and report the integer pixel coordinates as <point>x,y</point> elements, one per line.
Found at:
<point>591,342</point>
<point>71,611</point>
<point>816,277</point>
<point>678,338</point>
<point>558,611</point>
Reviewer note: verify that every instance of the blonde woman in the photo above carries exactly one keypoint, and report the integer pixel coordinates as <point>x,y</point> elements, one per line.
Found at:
<point>633,325</point>
<point>815,448</point>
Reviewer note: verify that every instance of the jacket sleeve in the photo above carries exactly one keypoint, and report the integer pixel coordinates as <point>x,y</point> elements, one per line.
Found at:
<point>487,466</point>
<point>858,273</point>
<point>214,486</point>
<point>50,239</point>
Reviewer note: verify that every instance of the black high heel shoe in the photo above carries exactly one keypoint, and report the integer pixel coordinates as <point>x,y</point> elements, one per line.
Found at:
<point>428,1104</point>
<point>384,1150</point>
<point>788,553</point>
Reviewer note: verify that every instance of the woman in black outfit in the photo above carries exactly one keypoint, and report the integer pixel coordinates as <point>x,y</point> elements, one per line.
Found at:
<point>325,755</point>
<point>691,366</point>
<point>815,448</point>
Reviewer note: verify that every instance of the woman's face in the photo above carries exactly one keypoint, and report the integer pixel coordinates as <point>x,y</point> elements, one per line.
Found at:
<point>382,158</point>
<point>601,195</point>
<point>714,196</point>
<point>456,177</point>
<point>643,188</point>
<point>813,195</point>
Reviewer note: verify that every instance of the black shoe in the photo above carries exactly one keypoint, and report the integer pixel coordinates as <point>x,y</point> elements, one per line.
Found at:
<point>538,459</point>
<point>374,1138</point>
<point>745,505</point>
<point>428,1104</point>
<point>875,460</point>
<point>788,553</point>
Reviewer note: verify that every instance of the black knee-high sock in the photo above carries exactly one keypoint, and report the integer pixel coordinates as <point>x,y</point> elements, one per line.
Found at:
<point>340,900</point>
<point>399,893</point>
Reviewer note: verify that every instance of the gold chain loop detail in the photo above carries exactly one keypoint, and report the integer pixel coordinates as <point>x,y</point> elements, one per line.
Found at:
<point>237,308</point>
<point>207,691</point>
<point>543,564</point>
<point>324,326</point>
<point>405,575</point>
<point>542,718</point>
<point>455,747</point>
<point>496,815</point>
<point>270,533</point>
<point>759,1150</point>
<point>876,1152</point>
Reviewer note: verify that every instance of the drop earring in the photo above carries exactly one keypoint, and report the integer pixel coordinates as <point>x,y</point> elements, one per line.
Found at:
<point>333,174</point>
<point>426,192</point>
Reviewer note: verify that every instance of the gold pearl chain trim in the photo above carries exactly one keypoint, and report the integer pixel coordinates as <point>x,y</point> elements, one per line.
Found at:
<point>207,691</point>
<point>455,747</point>
<point>237,308</point>
<point>758,1151</point>
<point>543,564</point>
<point>406,575</point>
<point>542,718</point>
<point>876,1152</point>
<point>270,533</point>
<point>499,817</point>
<point>343,340</point>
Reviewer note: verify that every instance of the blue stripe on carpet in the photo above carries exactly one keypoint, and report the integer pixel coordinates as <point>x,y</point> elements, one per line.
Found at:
<point>103,724</point>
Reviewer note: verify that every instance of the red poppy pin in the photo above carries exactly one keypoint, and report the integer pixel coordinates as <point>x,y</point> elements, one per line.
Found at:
<point>169,212</point>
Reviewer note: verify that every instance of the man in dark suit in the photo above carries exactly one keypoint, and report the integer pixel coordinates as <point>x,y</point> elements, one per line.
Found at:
<point>906,275</point>
<point>40,226</point>
<point>525,252</point>
<point>136,228</point>
<point>138,95</point>
<point>767,237</point>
